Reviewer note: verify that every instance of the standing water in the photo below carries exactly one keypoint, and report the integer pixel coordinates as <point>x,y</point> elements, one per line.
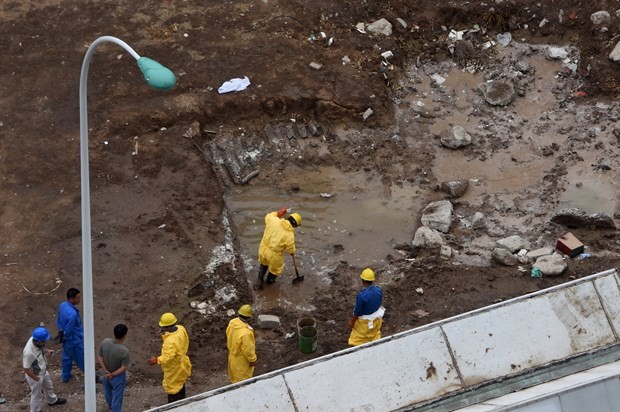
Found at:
<point>345,217</point>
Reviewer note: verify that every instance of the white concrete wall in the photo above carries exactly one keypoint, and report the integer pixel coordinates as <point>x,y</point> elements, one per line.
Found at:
<point>425,363</point>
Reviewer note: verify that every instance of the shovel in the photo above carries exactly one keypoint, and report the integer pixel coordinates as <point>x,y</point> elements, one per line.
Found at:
<point>298,278</point>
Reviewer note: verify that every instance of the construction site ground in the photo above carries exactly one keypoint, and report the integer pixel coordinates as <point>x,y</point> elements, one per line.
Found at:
<point>162,164</point>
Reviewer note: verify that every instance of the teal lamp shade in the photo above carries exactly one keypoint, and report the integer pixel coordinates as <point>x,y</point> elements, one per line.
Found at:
<point>157,76</point>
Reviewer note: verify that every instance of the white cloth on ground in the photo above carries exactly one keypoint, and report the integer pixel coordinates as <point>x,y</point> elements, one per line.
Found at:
<point>234,85</point>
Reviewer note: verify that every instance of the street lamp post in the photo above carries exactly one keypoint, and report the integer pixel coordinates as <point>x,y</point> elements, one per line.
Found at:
<point>160,78</point>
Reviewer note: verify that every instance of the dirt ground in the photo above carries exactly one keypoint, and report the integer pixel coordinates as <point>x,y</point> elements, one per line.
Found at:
<point>160,163</point>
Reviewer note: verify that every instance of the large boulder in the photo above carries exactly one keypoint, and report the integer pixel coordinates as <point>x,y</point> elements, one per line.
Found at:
<point>574,218</point>
<point>513,243</point>
<point>428,238</point>
<point>438,215</point>
<point>503,256</point>
<point>551,265</point>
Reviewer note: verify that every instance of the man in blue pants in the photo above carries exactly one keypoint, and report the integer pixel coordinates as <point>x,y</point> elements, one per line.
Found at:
<point>69,323</point>
<point>114,361</point>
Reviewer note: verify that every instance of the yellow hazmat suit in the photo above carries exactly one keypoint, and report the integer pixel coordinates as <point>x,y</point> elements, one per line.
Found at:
<point>174,361</point>
<point>241,350</point>
<point>367,328</point>
<point>277,238</point>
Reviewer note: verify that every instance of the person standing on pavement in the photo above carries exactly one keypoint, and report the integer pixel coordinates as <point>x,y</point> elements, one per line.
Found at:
<point>71,333</point>
<point>35,367</point>
<point>241,346</point>
<point>114,361</point>
<point>278,237</point>
<point>175,363</point>
<point>368,313</point>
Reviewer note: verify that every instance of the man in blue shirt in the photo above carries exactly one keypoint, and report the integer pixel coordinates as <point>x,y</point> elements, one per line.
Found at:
<point>69,323</point>
<point>368,313</point>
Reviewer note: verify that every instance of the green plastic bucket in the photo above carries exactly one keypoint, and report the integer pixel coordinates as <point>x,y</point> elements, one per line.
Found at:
<point>303,322</point>
<point>308,339</point>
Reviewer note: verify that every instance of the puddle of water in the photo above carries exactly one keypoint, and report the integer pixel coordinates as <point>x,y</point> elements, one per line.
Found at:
<point>360,224</point>
<point>591,192</point>
<point>494,175</point>
<point>538,98</point>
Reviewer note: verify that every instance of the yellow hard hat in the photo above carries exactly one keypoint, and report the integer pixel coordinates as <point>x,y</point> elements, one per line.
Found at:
<point>167,319</point>
<point>245,310</point>
<point>297,218</point>
<point>368,275</point>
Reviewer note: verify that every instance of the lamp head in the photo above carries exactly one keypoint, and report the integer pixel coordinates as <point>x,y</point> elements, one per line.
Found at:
<point>156,75</point>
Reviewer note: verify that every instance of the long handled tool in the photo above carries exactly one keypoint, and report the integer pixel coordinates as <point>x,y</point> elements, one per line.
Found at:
<point>298,278</point>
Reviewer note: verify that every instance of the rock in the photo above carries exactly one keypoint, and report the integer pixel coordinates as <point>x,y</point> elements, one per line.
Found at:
<point>369,112</point>
<point>455,138</point>
<point>551,265</point>
<point>479,221</point>
<point>513,243</point>
<point>574,218</point>
<point>381,26</point>
<point>503,256</point>
<point>438,215</point>
<point>455,188</point>
<point>543,251</point>
<point>419,291</point>
<point>600,17</point>
<point>427,238</point>
<point>315,65</point>
<point>557,53</point>
<point>615,53</point>
<point>420,313</point>
<point>523,66</point>
<point>402,22</point>
<point>497,92</point>
<point>445,252</point>
<point>268,321</point>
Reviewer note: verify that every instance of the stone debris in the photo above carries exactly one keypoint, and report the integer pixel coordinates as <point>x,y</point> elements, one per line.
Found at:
<point>600,17</point>
<point>513,243</point>
<point>504,257</point>
<point>551,265</point>
<point>268,322</point>
<point>427,238</point>
<point>455,138</point>
<point>381,26</point>
<point>438,215</point>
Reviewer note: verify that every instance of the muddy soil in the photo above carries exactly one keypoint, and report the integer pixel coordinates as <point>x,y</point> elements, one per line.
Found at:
<point>161,164</point>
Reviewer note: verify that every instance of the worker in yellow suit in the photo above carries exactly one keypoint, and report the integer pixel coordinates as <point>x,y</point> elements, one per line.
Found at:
<point>368,313</point>
<point>241,346</point>
<point>277,238</point>
<point>175,363</point>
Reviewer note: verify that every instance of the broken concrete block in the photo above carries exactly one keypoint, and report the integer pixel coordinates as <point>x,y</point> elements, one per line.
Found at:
<point>268,322</point>
<point>551,265</point>
<point>543,251</point>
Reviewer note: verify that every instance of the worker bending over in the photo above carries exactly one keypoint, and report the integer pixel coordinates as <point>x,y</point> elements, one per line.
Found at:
<point>277,238</point>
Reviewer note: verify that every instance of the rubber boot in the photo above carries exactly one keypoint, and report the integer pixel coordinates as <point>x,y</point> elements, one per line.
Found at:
<point>271,278</point>
<point>261,275</point>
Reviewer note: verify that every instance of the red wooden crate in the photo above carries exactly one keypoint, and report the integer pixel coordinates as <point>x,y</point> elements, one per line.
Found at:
<point>569,245</point>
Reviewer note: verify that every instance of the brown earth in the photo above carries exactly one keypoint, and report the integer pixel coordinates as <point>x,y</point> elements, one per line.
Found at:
<point>153,162</point>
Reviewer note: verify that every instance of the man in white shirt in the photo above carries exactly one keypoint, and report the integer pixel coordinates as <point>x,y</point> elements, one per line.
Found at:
<point>35,368</point>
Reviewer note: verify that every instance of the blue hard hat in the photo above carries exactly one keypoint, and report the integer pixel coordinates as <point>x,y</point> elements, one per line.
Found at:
<point>41,334</point>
